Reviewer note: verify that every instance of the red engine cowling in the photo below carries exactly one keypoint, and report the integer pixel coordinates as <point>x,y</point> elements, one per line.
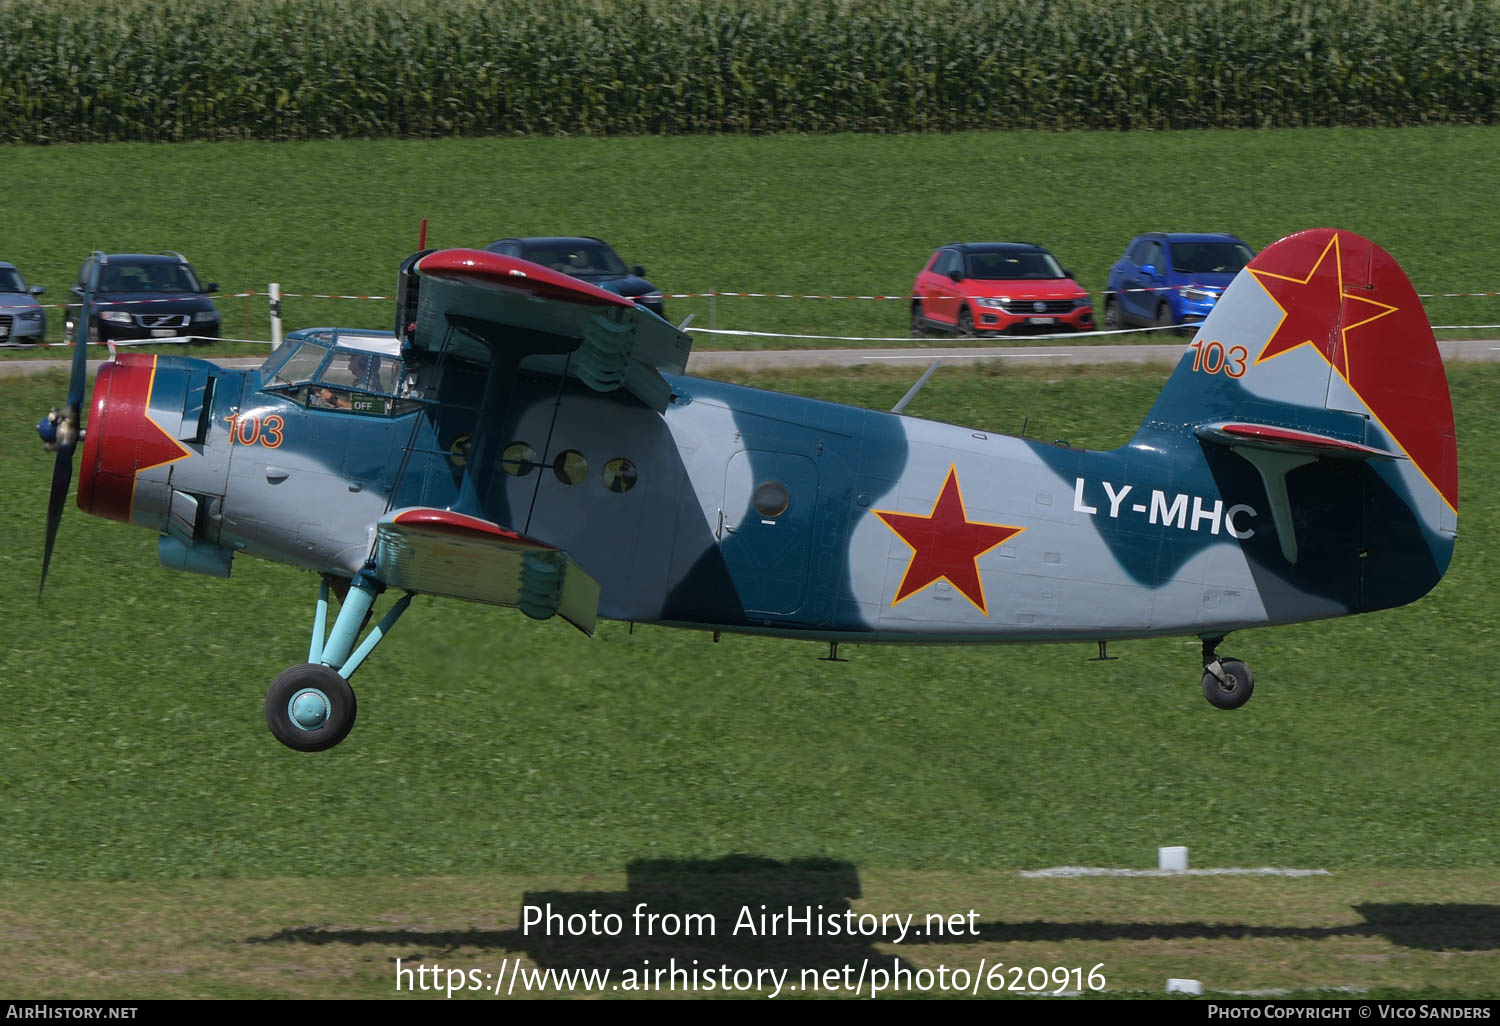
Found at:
<point>121,439</point>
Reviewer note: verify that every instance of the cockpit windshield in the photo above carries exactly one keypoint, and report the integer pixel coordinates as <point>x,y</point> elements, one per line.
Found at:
<point>335,370</point>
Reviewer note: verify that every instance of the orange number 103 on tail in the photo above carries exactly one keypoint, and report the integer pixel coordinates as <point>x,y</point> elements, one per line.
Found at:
<point>1213,358</point>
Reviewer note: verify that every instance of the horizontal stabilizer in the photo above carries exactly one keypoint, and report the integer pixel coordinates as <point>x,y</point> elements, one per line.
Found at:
<point>439,552</point>
<point>1270,437</point>
<point>1275,452</point>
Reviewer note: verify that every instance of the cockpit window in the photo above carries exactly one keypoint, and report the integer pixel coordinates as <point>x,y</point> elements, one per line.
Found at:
<point>365,371</point>
<point>301,366</point>
<point>336,371</point>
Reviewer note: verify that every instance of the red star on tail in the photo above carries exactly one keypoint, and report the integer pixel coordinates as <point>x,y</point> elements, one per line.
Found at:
<point>1316,310</point>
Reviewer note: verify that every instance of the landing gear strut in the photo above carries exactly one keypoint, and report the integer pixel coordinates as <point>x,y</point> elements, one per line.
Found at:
<point>311,707</point>
<point>1227,683</point>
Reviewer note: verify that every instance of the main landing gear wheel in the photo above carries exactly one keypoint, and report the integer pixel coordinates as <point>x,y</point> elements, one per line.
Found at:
<point>1227,683</point>
<point>310,707</point>
<point>1229,688</point>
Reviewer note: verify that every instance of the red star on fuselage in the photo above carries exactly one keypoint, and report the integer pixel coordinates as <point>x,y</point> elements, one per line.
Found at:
<point>1312,303</point>
<point>946,544</point>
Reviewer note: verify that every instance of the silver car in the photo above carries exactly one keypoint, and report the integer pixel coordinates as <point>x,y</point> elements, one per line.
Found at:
<point>22,319</point>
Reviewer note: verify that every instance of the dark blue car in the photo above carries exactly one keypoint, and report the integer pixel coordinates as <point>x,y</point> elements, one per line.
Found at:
<point>1168,278</point>
<point>589,259</point>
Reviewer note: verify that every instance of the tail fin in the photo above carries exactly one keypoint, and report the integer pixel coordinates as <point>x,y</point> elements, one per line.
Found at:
<point>1320,355</point>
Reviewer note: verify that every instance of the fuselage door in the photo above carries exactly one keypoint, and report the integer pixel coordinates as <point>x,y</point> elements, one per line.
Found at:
<point>770,500</point>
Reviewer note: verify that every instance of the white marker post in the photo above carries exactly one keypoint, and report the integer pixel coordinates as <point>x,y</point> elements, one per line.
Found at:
<point>275,314</point>
<point>1174,858</point>
<point>1184,987</point>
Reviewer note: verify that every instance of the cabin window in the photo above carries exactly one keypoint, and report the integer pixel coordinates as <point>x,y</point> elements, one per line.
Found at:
<point>518,459</point>
<point>571,466</point>
<point>619,475</point>
<point>771,499</point>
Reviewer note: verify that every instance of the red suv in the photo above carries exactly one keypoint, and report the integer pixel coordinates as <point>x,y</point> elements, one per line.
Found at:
<point>978,288</point>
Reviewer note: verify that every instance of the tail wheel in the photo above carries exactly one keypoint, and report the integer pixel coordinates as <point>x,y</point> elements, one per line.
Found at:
<point>1231,687</point>
<point>965,323</point>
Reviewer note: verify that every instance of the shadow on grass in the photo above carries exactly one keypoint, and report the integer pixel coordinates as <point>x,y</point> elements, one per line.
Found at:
<point>717,911</point>
<point>731,890</point>
<point>1431,927</point>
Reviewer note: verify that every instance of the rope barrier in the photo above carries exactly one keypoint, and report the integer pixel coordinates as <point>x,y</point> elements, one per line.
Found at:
<point>666,295</point>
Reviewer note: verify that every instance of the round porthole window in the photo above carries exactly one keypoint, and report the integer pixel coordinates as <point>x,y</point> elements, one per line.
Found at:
<point>770,499</point>
<point>517,459</point>
<point>619,475</point>
<point>570,466</point>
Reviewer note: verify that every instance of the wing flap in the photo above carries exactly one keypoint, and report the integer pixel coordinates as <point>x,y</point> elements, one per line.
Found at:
<point>439,552</point>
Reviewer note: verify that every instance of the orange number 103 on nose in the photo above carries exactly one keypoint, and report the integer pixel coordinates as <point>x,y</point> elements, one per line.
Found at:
<point>251,429</point>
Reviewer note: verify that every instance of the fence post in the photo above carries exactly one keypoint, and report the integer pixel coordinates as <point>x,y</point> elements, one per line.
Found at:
<point>275,314</point>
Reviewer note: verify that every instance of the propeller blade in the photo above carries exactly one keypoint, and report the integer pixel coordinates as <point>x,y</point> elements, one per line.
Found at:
<point>78,378</point>
<point>62,477</point>
<point>62,431</point>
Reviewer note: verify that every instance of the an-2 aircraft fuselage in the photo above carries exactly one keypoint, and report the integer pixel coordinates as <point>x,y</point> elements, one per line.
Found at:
<point>511,464</point>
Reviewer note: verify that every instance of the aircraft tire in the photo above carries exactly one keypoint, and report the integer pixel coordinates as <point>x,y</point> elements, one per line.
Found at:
<point>322,701</point>
<point>1235,690</point>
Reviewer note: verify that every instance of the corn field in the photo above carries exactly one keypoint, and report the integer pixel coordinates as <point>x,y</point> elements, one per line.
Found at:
<point>164,70</point>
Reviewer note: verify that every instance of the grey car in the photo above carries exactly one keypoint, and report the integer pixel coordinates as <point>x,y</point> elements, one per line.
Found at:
<point>22,319</point>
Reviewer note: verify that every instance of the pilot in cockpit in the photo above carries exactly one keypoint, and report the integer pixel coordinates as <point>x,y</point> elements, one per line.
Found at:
<point>360,367</point>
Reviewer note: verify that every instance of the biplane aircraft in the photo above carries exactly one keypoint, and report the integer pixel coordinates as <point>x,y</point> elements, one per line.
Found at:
<point>526,439</point>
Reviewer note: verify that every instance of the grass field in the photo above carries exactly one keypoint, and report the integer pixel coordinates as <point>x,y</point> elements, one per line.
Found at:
<point>496,758</point>
<point>795,214</point>
<point>1363,933</point>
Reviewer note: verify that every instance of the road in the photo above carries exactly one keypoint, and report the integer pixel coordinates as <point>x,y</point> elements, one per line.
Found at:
<point>707,362</point>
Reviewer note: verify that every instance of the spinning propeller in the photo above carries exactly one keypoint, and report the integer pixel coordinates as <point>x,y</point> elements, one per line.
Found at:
<point>60,432</point>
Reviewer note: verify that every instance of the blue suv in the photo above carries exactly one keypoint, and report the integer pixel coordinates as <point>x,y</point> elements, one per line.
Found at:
<point>1168,278</point>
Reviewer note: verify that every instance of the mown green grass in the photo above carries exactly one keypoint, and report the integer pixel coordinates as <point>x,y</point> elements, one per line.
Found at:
<point>840,214</point>
<point>134,745</point>
<point>1375,933</point>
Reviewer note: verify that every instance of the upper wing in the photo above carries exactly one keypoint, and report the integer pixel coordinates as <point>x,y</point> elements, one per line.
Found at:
<point>548,321</point>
